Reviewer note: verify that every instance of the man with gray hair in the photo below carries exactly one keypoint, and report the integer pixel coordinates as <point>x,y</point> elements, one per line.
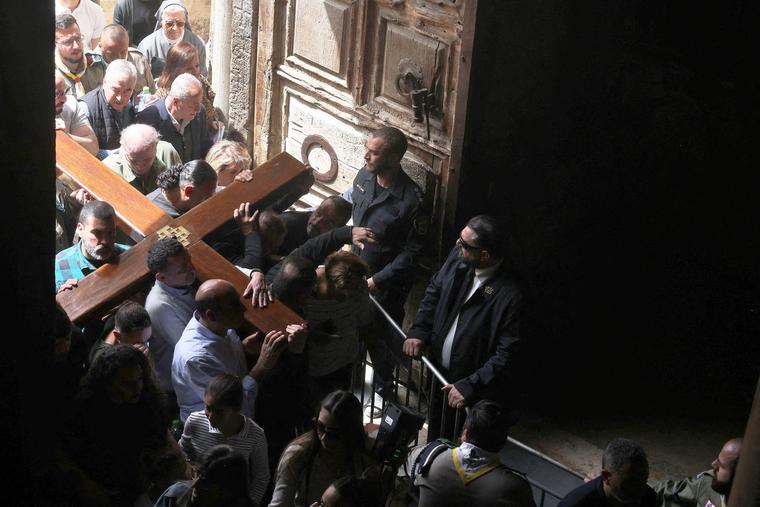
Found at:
<point>137,161</point>
<point>114,45</point>
<point>622,483</point>
<point>181,118</point>
<point>172,26</point>
<point>109,106</point>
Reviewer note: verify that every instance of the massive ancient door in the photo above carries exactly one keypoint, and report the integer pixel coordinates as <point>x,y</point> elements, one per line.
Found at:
<point>330,71</point>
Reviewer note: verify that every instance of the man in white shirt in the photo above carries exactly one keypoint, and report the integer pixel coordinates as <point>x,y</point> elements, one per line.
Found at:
<point>71,117</point>
<point>89,16</point>
<point>209,346</point>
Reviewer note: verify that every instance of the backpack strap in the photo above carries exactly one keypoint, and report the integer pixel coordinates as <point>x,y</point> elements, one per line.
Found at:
<point>425,458</point>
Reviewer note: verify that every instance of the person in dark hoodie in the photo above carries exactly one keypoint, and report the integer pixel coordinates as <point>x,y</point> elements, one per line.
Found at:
<point>172,26</point>
<point>137,16</point>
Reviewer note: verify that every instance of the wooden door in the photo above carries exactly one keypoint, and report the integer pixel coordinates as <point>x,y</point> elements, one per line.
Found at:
<point>330,71</point>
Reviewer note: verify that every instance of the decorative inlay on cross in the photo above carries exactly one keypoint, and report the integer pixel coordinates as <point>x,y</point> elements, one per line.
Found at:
<point>112,283</point>
<point>179,233</point>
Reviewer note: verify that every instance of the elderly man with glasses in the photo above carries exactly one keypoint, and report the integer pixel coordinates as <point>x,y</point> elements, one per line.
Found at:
<point>468,321</point>
<point>172,27</point>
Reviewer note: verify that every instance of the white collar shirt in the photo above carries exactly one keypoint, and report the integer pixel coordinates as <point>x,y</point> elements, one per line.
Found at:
<point>481,277</point>
<point>199,356</point>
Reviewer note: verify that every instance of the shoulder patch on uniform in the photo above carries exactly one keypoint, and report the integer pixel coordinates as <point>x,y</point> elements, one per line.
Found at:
<point>421,224</point>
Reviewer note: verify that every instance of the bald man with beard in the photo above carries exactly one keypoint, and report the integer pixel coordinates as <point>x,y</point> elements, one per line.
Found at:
<point>708,489</point>
<point>209,346</point>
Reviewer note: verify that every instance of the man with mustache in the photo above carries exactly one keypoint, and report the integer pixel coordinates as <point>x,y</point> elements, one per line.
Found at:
<point>96,229</point>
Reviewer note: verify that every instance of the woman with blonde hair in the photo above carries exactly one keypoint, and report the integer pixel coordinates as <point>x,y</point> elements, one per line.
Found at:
<point>229,158</point>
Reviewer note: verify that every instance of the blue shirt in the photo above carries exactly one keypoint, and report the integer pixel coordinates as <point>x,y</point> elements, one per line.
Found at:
<point>71,263</point>
<point>199,356</point>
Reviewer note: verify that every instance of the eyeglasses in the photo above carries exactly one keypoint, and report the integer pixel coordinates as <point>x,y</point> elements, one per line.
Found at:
<point>71,41</point>
<point>178,24</point>
<point>324,430</point>
<point>60,95</point>
<point>466,245</point>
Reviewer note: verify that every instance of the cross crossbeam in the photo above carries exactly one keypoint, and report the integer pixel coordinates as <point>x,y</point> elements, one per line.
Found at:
<point>112,283</point>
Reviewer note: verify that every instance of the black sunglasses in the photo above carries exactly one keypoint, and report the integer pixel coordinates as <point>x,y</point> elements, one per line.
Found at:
<point>322,429</point>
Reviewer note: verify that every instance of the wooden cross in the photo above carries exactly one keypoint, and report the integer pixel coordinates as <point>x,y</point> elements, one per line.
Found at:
<point>110,284</point>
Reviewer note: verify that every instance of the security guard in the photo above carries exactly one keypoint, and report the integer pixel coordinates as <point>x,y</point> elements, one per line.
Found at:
<point>387,201</point>
<point>708,489</point>
<point>390,205</point>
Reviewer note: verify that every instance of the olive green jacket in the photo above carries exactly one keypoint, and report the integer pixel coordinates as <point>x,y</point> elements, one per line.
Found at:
<point>691,492</point>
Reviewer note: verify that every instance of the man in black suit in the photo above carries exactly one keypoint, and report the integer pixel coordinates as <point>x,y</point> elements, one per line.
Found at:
<point>181,118</point>
<point>468,320</point>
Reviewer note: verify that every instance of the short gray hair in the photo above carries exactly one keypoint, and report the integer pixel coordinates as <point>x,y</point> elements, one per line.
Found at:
<point>120,68</point>
<point>138,137</point>
<point>183,85</point>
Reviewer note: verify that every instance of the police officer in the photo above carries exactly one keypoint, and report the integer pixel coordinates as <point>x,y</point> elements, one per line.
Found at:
<point>708,489</point>
<point>387,202</point>
<point>390,206</point>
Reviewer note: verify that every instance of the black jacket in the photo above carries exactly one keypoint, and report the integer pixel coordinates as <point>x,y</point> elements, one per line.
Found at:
<point>399,223</point>
<point>106,123</point>
<point>591,494</point>
<point>158,117</point>
<point>487,339</point>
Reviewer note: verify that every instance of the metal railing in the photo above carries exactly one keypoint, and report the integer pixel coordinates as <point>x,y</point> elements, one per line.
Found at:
<point>414,386</point>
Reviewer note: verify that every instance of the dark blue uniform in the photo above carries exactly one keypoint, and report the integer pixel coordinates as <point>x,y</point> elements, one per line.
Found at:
<point>400,225</point>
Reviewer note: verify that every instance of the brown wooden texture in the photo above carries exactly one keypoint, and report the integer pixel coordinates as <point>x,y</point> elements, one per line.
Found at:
<point>210,215</point>
<point>139,214</point>
<point>109,285</point>
<point>209,264</point>
<point>112,283</point>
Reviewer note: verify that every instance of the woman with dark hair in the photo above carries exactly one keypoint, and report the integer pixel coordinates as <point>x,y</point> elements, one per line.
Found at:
<point>222,480</point>
<point>222,423</point>
<point>183,57</point>
<point>116,445</point>
<point>336,447</point>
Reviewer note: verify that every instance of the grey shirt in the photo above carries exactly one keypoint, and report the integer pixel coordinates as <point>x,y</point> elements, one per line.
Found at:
<point>170,310</point>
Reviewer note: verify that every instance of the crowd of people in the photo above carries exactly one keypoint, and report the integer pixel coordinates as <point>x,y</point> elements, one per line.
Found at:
<point>164,403</point>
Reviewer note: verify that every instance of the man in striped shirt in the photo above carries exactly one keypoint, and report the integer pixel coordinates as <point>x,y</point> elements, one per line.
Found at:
<point>221,422</point>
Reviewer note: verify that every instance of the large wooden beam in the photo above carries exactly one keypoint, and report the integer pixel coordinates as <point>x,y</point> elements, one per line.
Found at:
<point>112,283</point>
<point>209,264</point>
<point>132,209</point>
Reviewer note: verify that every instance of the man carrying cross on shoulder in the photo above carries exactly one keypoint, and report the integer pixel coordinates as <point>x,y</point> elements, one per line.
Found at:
<point>96,229</point>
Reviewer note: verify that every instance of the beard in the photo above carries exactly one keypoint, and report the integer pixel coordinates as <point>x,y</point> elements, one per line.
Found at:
<point>721,487</point>
<point>99,252</point>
